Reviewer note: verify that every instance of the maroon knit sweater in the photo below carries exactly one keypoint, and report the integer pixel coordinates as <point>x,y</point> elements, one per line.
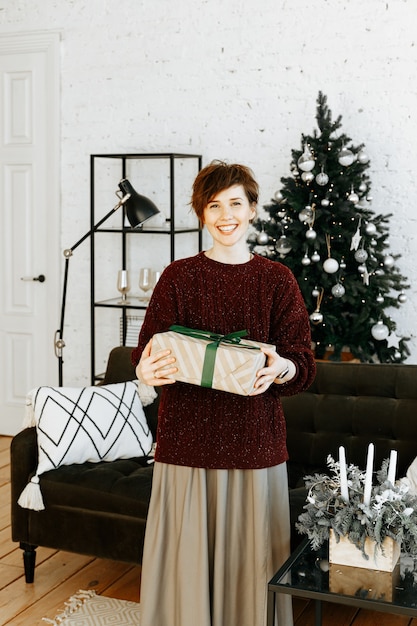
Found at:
<point>202,427</point>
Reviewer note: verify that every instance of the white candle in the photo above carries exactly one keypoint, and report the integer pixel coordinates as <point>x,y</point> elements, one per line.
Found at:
<point>368,476</point>
<point>392,468</point>
<point>343,475</point>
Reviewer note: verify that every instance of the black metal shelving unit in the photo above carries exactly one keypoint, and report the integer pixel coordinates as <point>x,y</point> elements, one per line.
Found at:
<point>171,230</point>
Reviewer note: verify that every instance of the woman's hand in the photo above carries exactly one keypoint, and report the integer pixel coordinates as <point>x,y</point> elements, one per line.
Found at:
<point>276,366</point>
<point>154,369</point>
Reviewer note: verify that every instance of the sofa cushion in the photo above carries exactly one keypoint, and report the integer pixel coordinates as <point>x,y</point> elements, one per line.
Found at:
<point>75,425</point>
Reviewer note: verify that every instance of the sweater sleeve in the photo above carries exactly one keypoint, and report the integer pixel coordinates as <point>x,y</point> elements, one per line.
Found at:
<point>161,313</point>
<point>290,332</point>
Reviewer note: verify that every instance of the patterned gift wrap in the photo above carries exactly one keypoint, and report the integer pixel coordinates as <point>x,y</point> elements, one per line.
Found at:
<point>206,359</point>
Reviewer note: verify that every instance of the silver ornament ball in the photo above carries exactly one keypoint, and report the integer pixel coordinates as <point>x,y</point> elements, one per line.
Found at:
<point>361,255</point>
<point>379,331</point>
<point>311,234</point>
<point>283,246</point>
<point>345,157</point>
<point>370,228</point>
<point>338,290</point>
<point>325,202</point>
<point>330,266</point>
<point>315,257</point>
<point>316,317</point>
<point>262,238</point>
<point>389,260</point>
<point>402,298</point>
<point>322,179</point>
<point>306,260</point>
<point>307,177</point>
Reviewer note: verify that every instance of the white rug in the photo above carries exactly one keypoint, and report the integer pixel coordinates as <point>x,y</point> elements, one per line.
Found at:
<point>86,608</point>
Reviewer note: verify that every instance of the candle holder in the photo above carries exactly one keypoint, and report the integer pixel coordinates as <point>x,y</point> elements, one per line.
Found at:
<point>367,527</point>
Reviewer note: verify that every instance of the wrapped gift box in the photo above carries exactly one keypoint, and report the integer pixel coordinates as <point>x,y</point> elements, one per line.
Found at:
<point>344,552</point>
<point>228,363</point>
<point>363,583</point>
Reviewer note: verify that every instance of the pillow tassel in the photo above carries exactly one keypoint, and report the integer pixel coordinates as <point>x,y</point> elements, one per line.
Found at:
<point>31,496</point>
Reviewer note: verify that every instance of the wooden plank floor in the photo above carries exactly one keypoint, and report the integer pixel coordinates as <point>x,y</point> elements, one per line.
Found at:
<point>59,575</point>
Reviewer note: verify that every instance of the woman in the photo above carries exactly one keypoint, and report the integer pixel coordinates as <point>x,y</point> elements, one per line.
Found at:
<point>218,524</point>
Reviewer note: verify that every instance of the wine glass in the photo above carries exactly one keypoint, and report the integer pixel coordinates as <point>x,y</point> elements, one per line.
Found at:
<point>145,280</point>
<point>123,285</point>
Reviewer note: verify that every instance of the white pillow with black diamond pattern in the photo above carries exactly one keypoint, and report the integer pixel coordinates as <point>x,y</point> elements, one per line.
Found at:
<point>75,425</point>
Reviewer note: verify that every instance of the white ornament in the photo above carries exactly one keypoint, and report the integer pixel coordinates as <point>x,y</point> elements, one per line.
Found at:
<point>283,246</point>
<point>316,317</point>
<point>389,261</point>
<point>363,157</point>
<point>278,196</point>
<point>330,266</point>
<point>356,239</point>
<point>380,298</point>
<point>306,214</point>
<point>315,257</point>
<point>370,228</point>
<point>262,238</point>
<point>306,161</point>
<point>315,292</point>
<point>402,298</point>
<point>306,259</point>
<point>361,255</point>
<point>345,157</point>
<point>338,290</point>
<point>325,202</point>
<point>379,331</point>
<point>393,340</point>
<point>353,197</point>
<point>322,178</point>
<point>311,234</point>
<point>307,177</point>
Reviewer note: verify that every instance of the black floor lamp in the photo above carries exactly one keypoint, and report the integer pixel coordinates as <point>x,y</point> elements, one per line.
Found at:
<point>137,209</point>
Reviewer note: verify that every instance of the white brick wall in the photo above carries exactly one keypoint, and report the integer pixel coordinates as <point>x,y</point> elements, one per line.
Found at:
<point>235,80</point>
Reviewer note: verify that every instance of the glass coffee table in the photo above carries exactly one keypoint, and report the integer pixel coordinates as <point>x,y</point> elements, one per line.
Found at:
<point>307,574</point>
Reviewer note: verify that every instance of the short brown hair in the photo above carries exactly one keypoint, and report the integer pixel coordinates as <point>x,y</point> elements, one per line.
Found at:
<point>217,176</point>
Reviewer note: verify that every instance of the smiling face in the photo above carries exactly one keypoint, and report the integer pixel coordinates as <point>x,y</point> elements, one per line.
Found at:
<point>227,216</point>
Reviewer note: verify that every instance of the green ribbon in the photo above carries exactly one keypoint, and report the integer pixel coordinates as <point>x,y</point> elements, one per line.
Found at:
<point>211,349</point>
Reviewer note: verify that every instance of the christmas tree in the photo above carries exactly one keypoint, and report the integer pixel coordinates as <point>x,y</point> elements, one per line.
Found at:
<point>321,225</point>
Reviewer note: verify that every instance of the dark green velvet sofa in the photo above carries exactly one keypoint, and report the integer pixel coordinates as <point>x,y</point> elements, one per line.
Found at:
<point>100,509</point>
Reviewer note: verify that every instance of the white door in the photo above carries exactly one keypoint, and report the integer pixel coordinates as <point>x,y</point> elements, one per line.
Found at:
<point>29,219</point>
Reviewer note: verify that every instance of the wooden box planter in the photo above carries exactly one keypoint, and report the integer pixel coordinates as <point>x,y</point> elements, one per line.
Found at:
<point>344,552</point>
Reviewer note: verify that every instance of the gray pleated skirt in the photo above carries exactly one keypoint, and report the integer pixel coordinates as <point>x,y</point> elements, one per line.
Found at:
<point>214,538</point>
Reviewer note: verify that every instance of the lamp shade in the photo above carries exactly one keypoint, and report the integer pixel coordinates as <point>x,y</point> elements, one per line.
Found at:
<point>138,208</point>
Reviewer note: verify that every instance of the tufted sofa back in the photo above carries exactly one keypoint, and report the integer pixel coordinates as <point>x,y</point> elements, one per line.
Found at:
<point>353,404</point>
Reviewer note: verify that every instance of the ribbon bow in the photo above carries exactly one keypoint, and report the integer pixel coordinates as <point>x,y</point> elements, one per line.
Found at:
<point>215,340</point>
